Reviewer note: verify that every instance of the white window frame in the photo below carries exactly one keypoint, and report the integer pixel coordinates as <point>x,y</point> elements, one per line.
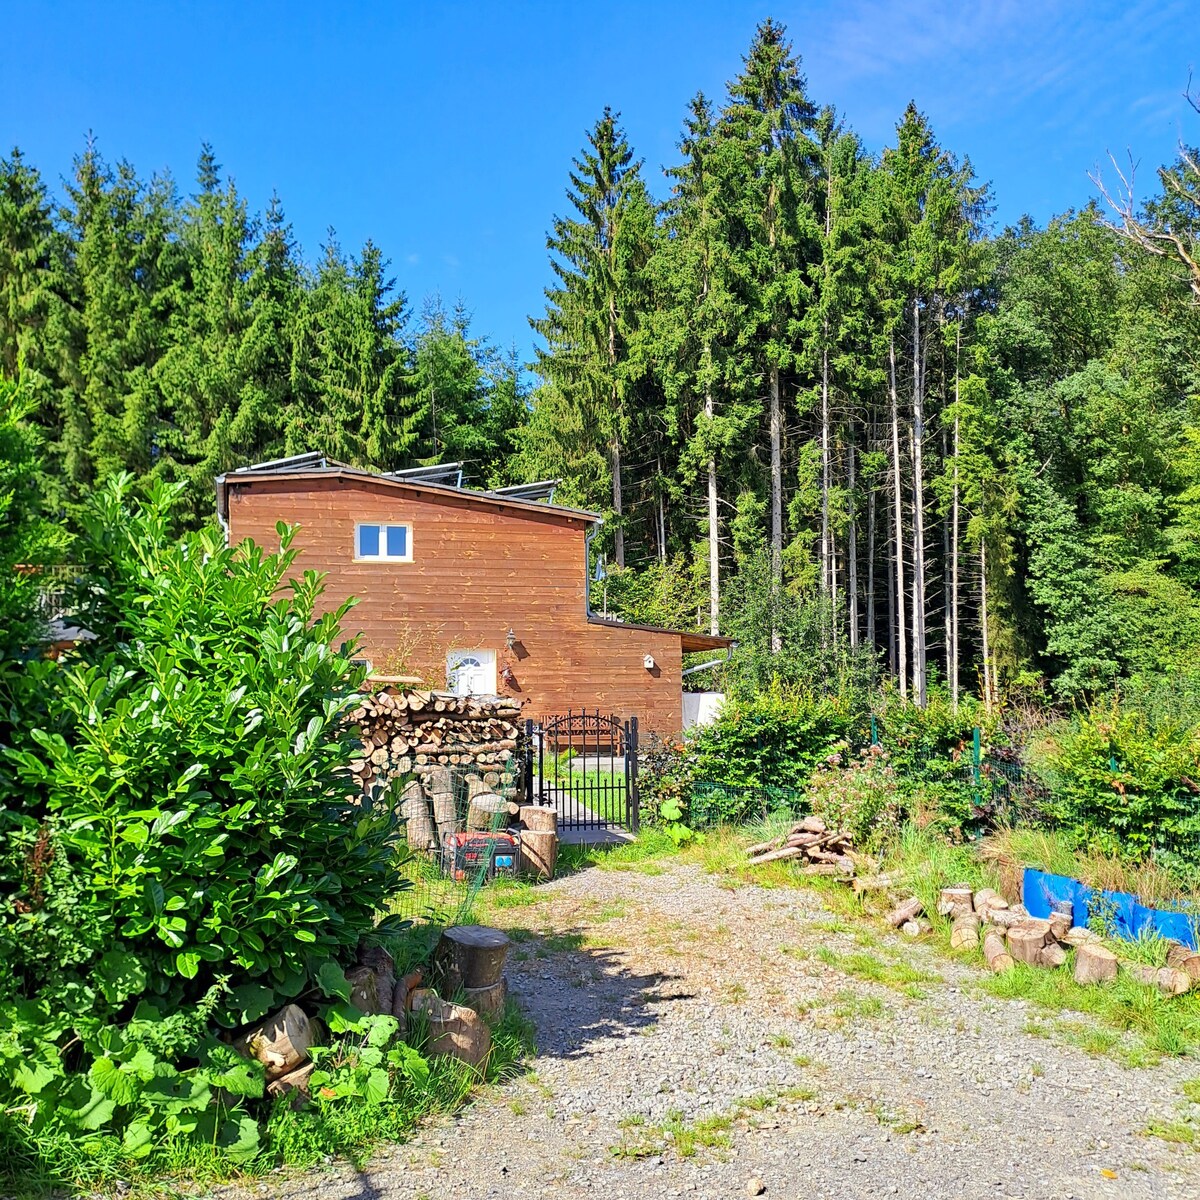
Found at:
<point>383,556</point>
<point>484,660</point>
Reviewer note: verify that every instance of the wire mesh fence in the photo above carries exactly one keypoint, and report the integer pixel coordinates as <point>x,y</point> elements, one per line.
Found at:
<point>742,804</point>
<point>445,861</point>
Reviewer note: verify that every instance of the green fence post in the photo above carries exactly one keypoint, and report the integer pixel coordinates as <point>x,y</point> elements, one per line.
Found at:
<point>976,756</point>
<point>874,731</point>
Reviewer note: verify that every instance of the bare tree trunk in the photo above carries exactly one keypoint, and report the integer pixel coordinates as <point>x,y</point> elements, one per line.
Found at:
<point>893,651</point>
<point>662,517</point>
<point>615,443</point>
<point>714,541</point>
<point>871,568</point>
<point>983,626</point>
<point>898,525</point>
<point>826,548</point>
<point>618,532</point>
<point>953,667</point>
<point>852,541</point>
<point>776,418</point>
<point>918,436</point>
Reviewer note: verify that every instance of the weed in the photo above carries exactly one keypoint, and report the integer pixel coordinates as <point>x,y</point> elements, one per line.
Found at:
<point>781,1041</point>
<point>1180,1133</point>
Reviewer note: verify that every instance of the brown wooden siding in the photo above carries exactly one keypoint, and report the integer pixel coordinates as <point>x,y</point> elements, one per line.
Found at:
<point>477,571</point>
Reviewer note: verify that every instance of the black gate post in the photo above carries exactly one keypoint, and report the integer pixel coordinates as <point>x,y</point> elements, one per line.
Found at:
<point>527,767</point>
<point>631,773</point>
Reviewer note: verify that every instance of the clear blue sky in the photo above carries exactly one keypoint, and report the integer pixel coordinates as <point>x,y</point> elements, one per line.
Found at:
<point>444,131</point>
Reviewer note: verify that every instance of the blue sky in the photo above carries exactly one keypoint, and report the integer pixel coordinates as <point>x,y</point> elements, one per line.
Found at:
<point>445,131</point>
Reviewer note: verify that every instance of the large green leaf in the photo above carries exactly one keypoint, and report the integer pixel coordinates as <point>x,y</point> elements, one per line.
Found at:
<point>121,975</point>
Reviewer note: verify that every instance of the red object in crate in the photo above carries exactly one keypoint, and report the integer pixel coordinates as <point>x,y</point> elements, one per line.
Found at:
<point>466,854</point>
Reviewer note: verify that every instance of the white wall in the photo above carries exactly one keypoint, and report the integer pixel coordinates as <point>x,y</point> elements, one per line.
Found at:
<point>701,708</point>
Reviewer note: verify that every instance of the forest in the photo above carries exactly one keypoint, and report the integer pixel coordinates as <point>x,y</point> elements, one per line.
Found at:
<point>824,404</point>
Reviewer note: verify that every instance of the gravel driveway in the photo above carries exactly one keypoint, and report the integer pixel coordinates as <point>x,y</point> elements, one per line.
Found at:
<point>675,1015</point>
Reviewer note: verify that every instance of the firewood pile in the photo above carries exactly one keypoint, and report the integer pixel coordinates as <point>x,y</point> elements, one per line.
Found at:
<point>818,849</point>
<point>415,732</point>
<point>1006,935</point>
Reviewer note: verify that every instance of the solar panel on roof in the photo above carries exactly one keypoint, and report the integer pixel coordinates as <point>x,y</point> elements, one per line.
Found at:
<point>445,474</point>
<point>529,491</point>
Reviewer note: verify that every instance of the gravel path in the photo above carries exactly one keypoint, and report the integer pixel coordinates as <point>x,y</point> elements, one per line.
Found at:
<point>735,1018</point>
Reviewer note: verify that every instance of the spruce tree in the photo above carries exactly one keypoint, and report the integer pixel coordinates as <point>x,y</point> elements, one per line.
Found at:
<point>594,309</point>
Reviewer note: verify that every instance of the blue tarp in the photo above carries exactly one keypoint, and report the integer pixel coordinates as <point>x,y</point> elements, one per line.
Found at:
<point>1128,916</point>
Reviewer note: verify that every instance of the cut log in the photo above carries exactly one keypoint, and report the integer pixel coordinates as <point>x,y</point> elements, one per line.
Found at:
<point>281,1042</point>
<point>1052,955</point>
<point>809,824</point>
<point>484,810</point>
<point>1060,925</point>
<point>1184,959</point>
<point>777,855</point>
<point>1007,917</point>
<point>453,1030</point>
<point>538,854</point>
<point>954,901</point>
<point>382,968</point>
<point>1094,963</point>
<point>294,1081</point>
<point>907,911</point>
<point>487,1001</point>
<point>875,883</point>
<point>405,987</point>
<point>820,869</point>
<point>989,898</point>
<point>1168,980</point>
<point>1025,941</point>
<point>995,950</point>
<point>964,933</point>
<point>470,956</point>
<point>1077,935</point>
<point>541,818</point>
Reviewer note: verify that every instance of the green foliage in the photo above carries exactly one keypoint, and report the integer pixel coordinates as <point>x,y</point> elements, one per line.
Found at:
<point>187,792</point>
<point>1125,784</point>
<point>777,738</point>
<point>859,794</point>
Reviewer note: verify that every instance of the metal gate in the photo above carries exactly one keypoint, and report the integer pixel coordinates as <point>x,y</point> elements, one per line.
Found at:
<point>584,764</point>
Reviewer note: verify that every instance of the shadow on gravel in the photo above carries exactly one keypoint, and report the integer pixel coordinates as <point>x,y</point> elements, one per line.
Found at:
<point>579,996</point>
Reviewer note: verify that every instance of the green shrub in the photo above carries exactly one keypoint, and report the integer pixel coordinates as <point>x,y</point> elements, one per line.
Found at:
<point>185,814</point>
<point>777,738</point>
<point>860,796</point>
<point>1124,784</point>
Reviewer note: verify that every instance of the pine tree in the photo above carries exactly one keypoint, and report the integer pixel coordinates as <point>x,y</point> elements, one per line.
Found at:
<point>771,118</point>
<point>594,310</point>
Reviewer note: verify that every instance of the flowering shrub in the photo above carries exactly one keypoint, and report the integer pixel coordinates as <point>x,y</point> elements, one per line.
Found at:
<point>860,796</point>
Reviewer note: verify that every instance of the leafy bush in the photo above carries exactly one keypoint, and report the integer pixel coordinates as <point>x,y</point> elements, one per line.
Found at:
<point>777,738</point>
<point>860,796</point>
<point>190,790</point>
<point>1124,784</point>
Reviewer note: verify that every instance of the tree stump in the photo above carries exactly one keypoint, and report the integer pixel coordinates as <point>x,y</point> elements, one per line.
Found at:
<point>484,809</point>
<point>1006,917</point>
<point>1183,959</point>
<point>470,956</point>
<point>281,1042</point>
<point>540,818</point>
<point>539,853</point>
<point>995,951</point>
<point>954,901</point>
<point>964,933</point>
<point>1168,980</point>
<point>414,807</point>
<point>905,912</point>
<point>1094,963</point>
<point>1051,955</point>
<point>1025,941</point>
<point>1060,924</point>
<point>454,1031</point>
<point>1077,935</point>
<point>487,1001</point>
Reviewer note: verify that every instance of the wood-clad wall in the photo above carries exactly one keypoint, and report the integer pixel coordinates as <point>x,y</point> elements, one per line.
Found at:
<point>478,570</point>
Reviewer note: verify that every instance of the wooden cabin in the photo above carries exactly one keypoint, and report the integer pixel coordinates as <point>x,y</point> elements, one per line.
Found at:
<point>483,592</point>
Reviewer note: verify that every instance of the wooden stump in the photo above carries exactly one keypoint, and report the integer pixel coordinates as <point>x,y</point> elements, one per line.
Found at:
<point>1168,980</point>
<point>414,807</point>
<point>954,901</point>
<point>487,1001</point>
<point>470,956</point>
<point>484,809</point>
<point>995,951</point>
<point>964,933</point>
<point>1060,924</point>
<point>402,994</point>
<point>1025,941</point>
<point>1007,917</point>
<point>1051,955</point>
<point>441,792</point>
<point>281,1042</point>
<point>539,853</point>
<point>540,818</point>
<point>810,824</point>
<point>1077,935</point>
<point>454,1030</point>
<point>1094,963</point>
<point>1183,959</point>
<point>905,912</point>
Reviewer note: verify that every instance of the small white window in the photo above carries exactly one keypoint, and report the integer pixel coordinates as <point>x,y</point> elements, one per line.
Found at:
<point>471,672</point>
<point>383,543</point>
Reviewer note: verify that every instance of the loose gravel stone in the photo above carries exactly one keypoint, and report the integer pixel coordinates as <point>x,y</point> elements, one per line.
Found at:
<point>691,1041</point>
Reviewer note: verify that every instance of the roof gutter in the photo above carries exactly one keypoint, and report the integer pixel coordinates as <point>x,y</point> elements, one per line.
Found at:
<point>716,662</point>
<point>587,570</point>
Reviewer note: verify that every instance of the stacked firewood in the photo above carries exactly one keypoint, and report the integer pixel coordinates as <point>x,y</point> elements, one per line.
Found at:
<point>416,732</point>
<point>822,851</point>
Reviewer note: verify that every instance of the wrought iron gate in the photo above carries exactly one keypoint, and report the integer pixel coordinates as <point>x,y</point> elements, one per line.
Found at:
<point>584,764</point>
